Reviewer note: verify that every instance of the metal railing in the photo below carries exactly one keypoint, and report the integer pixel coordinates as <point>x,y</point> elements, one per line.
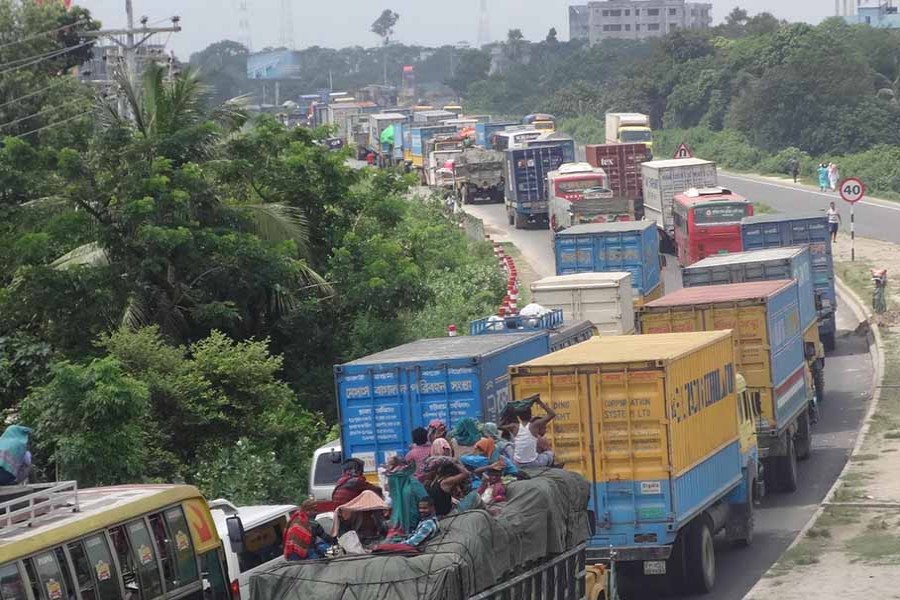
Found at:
<point>26,505</point>
<point>559,578</point>
<point>549,320</point>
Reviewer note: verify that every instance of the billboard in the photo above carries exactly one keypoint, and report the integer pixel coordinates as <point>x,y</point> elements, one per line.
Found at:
<point>274,64</point>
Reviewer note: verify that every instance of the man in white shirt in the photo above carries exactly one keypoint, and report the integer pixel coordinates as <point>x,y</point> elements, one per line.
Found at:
<point>834,221</point>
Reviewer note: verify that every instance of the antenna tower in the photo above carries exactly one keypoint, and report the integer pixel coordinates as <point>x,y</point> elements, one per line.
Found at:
<point>286,38</point>
<point>484,24</point>
<point>246,37</point>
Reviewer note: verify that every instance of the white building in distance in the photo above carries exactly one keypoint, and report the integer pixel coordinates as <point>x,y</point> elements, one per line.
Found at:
<point>636,19</point>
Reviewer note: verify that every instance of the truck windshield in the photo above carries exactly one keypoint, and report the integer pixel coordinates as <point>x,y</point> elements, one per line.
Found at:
<point>720,212</point>
<point>636,136</point>
<point>579,185</point>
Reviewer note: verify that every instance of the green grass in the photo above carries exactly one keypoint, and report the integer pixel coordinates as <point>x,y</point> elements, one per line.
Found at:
<point>857,275</point>
<point>761,208</point>
<point>836,516</point>
<point>807,552</point>
<point>878,544</point>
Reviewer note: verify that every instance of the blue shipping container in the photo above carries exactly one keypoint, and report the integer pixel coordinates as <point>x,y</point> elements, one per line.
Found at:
<point>526,177</point>
<point>759,265</point>
<point>629,246</point>
<point>786,354</point>
<point>780,231</point>
<point>568,147</point>
<point>384,396</point>
<point>419,136</point>
<point>484,131</point>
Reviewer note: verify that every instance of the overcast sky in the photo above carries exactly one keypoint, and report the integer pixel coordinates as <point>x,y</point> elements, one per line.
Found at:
<point>337,23</point>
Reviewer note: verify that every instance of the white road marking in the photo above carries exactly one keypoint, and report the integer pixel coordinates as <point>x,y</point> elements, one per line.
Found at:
<point>832,196</point>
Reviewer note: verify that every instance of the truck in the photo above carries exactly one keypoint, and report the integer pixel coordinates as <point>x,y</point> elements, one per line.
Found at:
<point>475,555</point>
<point>604,299</point>
<point>377,124</point>
<point>431,117</point>
<point>418,142</point>
<point>769,353</point>
<point>632,247</point>
<point>661,427</point>
<point>781,231</point>
<point>562,333</point>
<point>766,265</point>
<point>622,164</point>
<point>479,175</point>
<point>579,193</point>
<point>485,131</point>
<point>384,396</point>
<point>628,128</point>
<point>551,139</point>
<point>525,181</point>
<point>708,222</point>
<point>440,169</point>
<point>662,179</point>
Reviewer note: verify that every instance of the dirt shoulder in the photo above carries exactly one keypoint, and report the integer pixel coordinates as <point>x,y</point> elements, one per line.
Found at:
<point>853,548</point>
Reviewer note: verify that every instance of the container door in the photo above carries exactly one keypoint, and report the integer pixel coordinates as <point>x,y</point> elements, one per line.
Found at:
<point>628,417</point>
<point>751,336</point>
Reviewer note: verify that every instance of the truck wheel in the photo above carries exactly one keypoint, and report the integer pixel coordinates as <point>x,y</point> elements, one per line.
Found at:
<point>519,222</point>
<point>786,468</point>
<point>700,556</point>
<point>829,342</point>
<point>803,437</point>
<point>741,522</point>
<point>511,217</point>
<point>819,383</point>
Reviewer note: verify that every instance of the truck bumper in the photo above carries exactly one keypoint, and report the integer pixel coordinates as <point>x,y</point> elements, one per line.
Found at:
<point>596,555</point>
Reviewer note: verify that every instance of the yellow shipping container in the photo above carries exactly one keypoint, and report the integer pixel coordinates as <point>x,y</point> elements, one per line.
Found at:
<point>638,408</point>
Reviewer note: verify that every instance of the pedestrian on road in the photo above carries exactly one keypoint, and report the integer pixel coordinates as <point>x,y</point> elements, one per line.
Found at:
<point>834,221</point>
<point>823,176</point>
<point>833,176</point>
<point>794,168</point>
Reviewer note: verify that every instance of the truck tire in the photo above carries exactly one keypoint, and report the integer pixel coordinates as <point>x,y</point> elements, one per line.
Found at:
<point>829,342</point>
<point>519,222</point>
<point>803,437</point>
<point>819,384</point>
<point>739,529</point>
<point>700,556</point>
<point>511,217</point>
<point>785,468</point>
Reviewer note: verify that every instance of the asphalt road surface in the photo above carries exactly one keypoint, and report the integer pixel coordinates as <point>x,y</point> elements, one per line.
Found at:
<point>848,376</point>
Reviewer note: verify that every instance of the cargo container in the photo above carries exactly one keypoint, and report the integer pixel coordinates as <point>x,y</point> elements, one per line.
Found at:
<point>432,117</point>
<point>378,123</point>
<point>631,246</point>
<point>562,333</point>
<point>622,163</point>
<point>553,139</point>
<point>419,138</point>
<point>765,317</point>
<point>659,426</point>
<point>604,299</point>
<point>767,265</point>
<point>485,131</point>
<point>662,179</point>
<point>384,396</point>
<point>526,184</point>
<point>780,231</point>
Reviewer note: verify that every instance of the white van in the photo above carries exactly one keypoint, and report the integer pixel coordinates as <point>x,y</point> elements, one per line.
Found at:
<point>327,466</point>
<point>264,528</point>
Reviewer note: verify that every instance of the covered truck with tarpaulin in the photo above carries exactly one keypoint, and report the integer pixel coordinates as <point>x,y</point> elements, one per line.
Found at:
<point>533,548</point>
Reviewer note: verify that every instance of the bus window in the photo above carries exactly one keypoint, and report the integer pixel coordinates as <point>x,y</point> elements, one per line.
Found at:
<point>164,547</point>
<point>100,566</point>
<point>49,577</point>
<point>82,572</point>
<point>211,563</point>
<point>11,586</point>
<point>184,550</point>
<point>145,559</point>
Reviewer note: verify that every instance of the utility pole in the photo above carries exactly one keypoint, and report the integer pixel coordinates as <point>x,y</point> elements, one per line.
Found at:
<point>135,37</point>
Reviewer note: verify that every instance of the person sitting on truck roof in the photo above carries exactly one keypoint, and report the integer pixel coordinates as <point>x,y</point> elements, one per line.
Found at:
<point>445,485</point>
<point>492,490</point>
<point>441,447</point>
<point>502,444</point>
<point>464,436</point>
<point>527,432</point>
<point>15,458</point>
<point>352,483</point>
<point>436,429</point>
<point>304,538</point>
<point>420,450</point>
<point>486,457</point>
<point>427,527</point>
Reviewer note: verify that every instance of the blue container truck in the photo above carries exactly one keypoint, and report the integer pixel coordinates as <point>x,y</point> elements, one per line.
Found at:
<point>418,139</point>
<point>384,396</point>
<point>485,131</point>
<point>780,231</point>
<point>626,246</point>
<point>768,265</point>
<point>526,183</point>
<point>568,146</point>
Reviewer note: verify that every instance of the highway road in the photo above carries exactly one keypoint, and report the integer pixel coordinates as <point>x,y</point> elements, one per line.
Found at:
<point>848,376</point>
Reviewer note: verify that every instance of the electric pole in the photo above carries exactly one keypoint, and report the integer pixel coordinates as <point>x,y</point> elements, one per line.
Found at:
<point>135,37</point>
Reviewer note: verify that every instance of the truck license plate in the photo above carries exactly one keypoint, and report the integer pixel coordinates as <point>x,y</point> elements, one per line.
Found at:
<point>654,567</point>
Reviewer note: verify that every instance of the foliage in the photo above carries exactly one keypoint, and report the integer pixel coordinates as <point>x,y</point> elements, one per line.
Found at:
<point>383,26</point>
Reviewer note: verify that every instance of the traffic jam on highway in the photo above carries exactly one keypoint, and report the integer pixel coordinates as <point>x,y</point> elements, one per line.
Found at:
<point>683,410</point>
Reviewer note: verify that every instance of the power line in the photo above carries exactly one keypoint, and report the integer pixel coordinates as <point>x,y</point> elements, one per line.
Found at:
<point>56,83</point>
<point>49,56</point>
<point>29,58</point>
<point>37,114</point>
<point>78,116</point>
<point>42,33</point>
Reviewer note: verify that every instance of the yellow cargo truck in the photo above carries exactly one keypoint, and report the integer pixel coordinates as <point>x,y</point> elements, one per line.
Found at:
<point>662,428</point>
<point>769,353</point>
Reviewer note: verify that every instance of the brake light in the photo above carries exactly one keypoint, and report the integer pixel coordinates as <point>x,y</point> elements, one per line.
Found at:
<point>235,589</point>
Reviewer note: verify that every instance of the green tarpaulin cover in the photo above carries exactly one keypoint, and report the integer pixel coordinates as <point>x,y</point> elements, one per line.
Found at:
<point>543,516</point>
<point>387,135</point>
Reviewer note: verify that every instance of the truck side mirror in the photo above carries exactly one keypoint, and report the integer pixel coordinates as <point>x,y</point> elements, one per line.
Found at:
<point>235,533</point>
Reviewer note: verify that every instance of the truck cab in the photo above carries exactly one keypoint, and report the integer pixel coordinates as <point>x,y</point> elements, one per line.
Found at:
<point>577,185</point>
<point>708,222</point>
<point>541,121</point>
<point>629,128</point>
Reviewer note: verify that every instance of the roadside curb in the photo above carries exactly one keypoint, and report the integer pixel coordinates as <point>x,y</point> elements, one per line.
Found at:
<point>876,352</point>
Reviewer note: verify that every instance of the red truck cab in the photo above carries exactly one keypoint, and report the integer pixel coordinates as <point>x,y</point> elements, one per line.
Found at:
<point>708,222</point>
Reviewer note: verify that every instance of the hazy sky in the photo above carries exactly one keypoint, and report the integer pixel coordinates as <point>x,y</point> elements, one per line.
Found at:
<point>337,23</point>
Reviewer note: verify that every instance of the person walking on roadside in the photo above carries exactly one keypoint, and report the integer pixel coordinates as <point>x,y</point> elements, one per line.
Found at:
<point>794,168</point>
<point>822,171</point>
<point>834,221</point>
<point>833,176</point>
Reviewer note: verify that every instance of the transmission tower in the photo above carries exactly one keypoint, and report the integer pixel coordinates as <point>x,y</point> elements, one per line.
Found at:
<point>246,37</point>
<point>286,37</point>
<point>484,24</point>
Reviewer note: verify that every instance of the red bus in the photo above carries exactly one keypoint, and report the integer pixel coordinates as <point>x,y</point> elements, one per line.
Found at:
<point>708,222</point>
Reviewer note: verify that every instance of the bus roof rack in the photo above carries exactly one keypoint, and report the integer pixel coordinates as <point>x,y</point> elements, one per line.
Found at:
<point>25,505</point>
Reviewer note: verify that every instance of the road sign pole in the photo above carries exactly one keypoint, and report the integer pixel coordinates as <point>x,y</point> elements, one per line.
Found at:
<point>852,235</point>
<point>852,191</point>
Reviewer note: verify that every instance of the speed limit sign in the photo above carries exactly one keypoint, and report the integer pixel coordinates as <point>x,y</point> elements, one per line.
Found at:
<point>852,190</point>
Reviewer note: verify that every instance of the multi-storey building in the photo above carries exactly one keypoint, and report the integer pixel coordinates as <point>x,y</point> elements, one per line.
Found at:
<point>637,19</point>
